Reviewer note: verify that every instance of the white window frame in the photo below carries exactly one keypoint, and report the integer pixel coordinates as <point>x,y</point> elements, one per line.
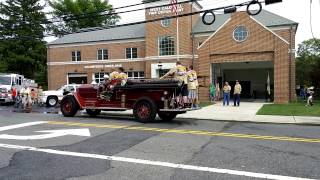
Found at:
<point>131,53</point>
<point>233,33</point>
<point>174,48</point>
<point>77,58</point>
<point>103,53</point>
<point>100,78</point>
<point>136,77</point>
<point>166,22</point>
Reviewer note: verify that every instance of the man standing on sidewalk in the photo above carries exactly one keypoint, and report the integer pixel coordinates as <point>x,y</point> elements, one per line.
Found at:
<point>236,94</point>
<point>226,93</point>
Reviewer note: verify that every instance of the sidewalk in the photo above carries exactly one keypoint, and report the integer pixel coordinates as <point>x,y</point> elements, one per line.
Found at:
<point>245,113</point>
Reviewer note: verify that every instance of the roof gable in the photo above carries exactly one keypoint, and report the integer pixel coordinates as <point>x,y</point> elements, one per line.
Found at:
<point>266,18</point>
<point>260,38</point>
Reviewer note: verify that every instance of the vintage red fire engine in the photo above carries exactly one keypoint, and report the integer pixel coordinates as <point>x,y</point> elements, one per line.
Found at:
<point>147,98</point>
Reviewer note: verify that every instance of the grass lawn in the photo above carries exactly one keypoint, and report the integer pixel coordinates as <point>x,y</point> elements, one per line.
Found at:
<point>292,109</point>
<point>204,104</point>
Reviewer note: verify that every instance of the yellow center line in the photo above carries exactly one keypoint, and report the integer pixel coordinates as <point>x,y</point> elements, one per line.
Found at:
<point>191,132</point>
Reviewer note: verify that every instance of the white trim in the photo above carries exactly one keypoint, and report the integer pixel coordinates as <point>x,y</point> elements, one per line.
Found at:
<point>95,61</point>
<point>77,75</point>
<point>207,34</point>
<point>155,67</point>
<point>96,43</point>
<point>280,28</point>
<point>270,30</point>
<point>102,54</point>
<point>149,58</point>
<point>248,34</point>
<point>185,56</point>
<point>214,33</point>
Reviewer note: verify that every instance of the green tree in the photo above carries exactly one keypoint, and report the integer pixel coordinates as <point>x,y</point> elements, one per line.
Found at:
<point>78,14</point>
<point>308,63</point>
<point>22,47</point>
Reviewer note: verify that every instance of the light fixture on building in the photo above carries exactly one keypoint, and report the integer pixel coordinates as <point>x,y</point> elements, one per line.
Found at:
<point>267,2</point>
<point>75,70</point>
<point>159,65</point>
<point>230,9</point>
<point>131,69</point>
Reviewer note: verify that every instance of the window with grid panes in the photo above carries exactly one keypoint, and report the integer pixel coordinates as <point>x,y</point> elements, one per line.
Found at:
<point>76,55</point>
<point>98,77</point>
<point>135,74</point>
<point>166,46</point>
<point>131,53</point>
<point>102,54</point>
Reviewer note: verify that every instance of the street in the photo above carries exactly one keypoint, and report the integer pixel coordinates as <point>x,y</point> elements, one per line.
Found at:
<point>42,145</point>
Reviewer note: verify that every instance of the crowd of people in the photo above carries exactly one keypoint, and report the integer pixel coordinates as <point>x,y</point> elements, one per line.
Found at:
<point>215,93</point>
<point>188,93</point>
<point>26,97</point>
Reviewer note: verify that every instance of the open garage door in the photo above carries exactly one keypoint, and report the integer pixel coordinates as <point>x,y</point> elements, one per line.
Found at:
<point>77,78</point>
<point>252,76</point>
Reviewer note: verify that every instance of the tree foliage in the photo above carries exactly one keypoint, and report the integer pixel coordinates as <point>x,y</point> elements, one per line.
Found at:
<point>78,14</point>
<point>22,49</point>
<point>308,63</point>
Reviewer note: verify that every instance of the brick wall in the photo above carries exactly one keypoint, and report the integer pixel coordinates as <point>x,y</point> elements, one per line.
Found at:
<point>260,45</point>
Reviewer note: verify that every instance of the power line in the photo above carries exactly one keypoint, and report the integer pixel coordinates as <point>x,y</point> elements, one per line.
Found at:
<point>159,19</point>
<point>311,20</point>
<point>84,16</point>
<point>141,22</point>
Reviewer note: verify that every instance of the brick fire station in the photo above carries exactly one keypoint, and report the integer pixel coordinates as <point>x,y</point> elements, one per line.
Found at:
<point>236,46</point>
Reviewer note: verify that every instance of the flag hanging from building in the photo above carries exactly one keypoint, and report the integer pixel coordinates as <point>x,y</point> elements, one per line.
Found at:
<point>268,84</point>
<point>174,6</point>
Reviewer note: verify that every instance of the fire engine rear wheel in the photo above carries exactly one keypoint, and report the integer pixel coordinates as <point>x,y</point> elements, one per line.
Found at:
<point>93,112</point>
<point>167,116</point>
<point>69,106</point>
<point>145,110</point>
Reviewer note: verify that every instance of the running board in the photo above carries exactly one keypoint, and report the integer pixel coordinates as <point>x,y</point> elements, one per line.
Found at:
<point>106,108</point>
<point>184,110</point>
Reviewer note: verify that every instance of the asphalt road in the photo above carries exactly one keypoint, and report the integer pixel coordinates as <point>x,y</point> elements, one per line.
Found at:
<point>120,148</point>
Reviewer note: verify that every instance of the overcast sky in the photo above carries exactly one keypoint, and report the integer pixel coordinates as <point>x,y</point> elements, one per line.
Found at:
<point>296,10</point>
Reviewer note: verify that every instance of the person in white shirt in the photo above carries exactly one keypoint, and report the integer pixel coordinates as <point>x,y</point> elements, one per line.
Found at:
<point>26,97</point>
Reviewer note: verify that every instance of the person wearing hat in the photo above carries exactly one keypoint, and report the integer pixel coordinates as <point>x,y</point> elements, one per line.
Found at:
<point>105,89</point>
<point>179,73</point>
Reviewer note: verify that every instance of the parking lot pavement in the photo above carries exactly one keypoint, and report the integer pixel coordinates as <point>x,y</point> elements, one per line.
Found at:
<point>37,146</point>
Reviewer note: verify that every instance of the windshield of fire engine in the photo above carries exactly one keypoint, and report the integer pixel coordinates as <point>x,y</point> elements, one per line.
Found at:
<point>5,80</point>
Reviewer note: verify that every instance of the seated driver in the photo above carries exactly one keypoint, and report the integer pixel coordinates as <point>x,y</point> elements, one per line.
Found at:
<point>106,88</point>
<point>122,76</point>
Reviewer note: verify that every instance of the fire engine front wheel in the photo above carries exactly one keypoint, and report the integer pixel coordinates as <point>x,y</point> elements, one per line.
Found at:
<point>69,106</point>
<point>93,112</point>
<point>145,110</point>
<point>167,116</point>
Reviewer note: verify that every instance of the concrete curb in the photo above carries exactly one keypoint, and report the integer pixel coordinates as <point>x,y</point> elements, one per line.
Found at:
<point>297,120</point>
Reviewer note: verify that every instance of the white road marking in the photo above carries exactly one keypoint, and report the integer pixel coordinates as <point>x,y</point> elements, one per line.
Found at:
<point>4,128</point>
<point>50,134</point>
<point>154,163</point>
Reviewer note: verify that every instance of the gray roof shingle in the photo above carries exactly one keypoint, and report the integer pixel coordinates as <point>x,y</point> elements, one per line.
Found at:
<point>118,33</point>
<point>138,31</point>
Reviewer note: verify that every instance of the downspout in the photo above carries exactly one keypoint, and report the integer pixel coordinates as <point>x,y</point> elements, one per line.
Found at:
<point>290,65</point>
<point>192,35</point>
